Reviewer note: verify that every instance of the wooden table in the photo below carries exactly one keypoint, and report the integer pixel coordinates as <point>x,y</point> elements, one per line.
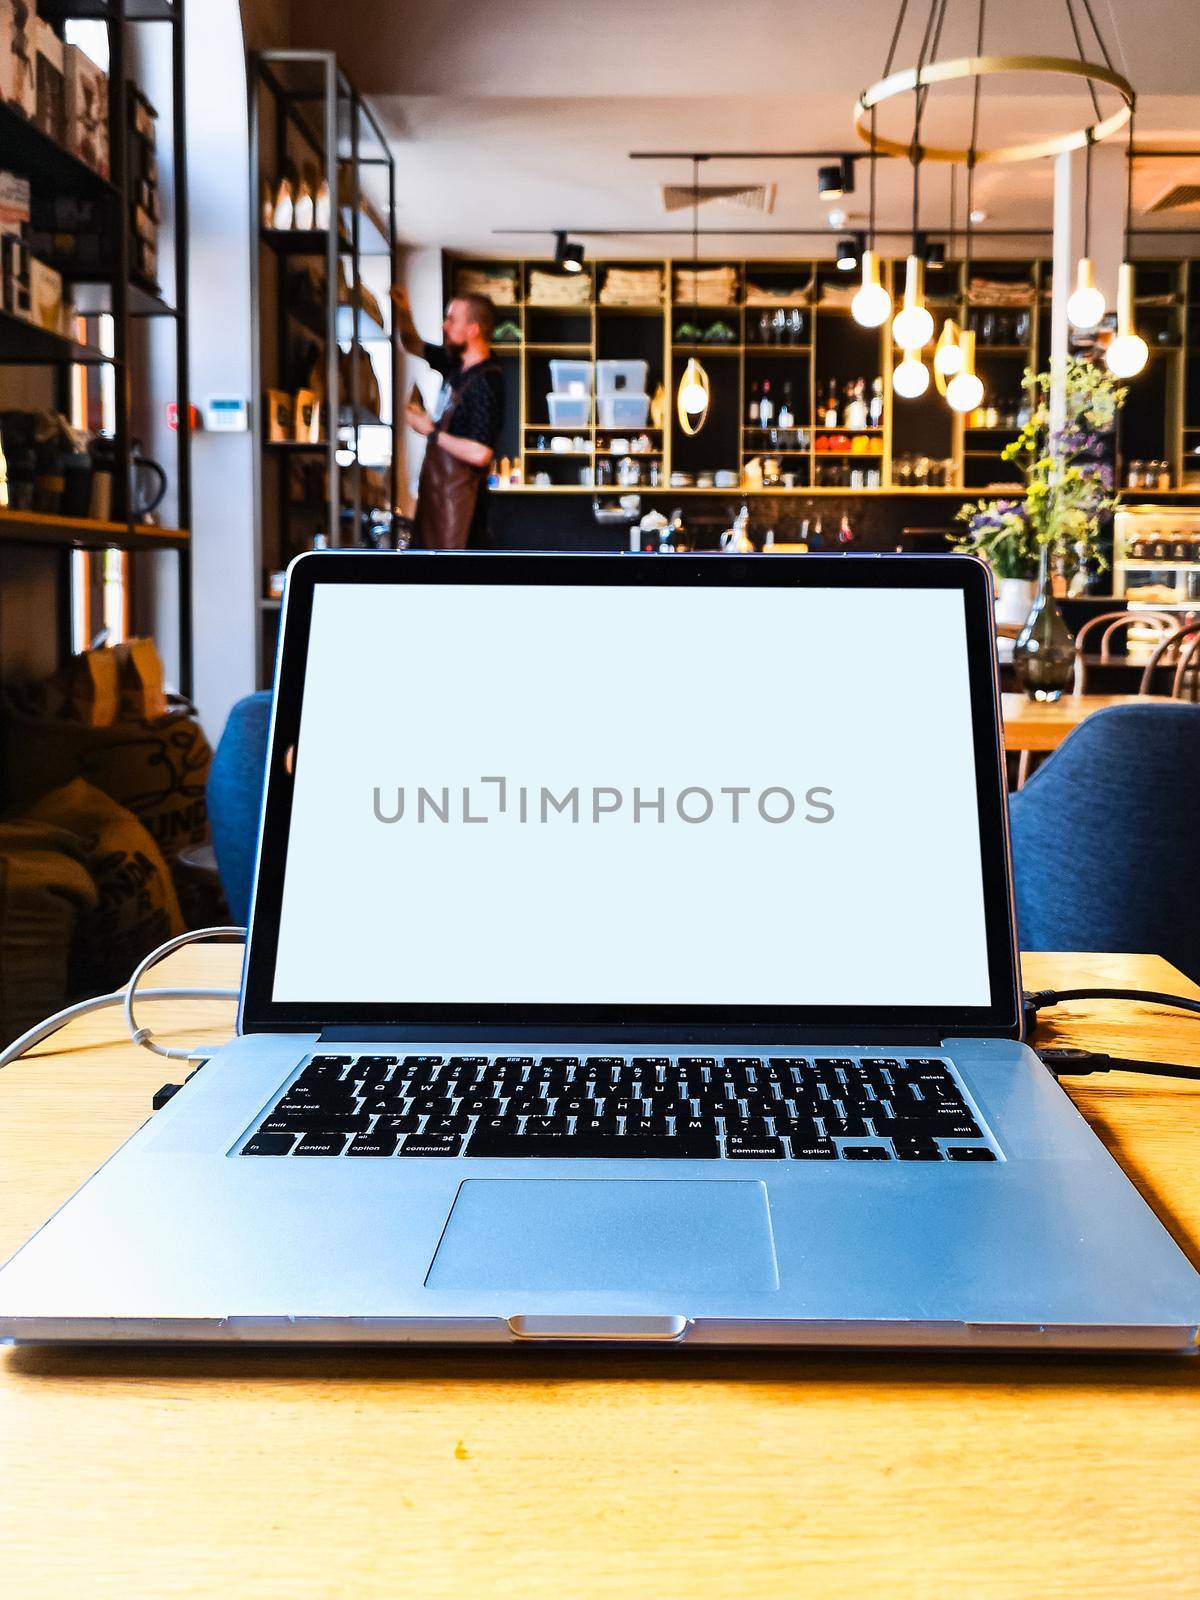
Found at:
<point>556,1475</point>
<point>1040,725</point>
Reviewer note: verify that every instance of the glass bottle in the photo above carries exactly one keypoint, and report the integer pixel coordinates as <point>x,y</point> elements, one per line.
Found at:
<point>787,416</point>
<point>1044,653</point>
<point>830,413</point>
<point>875,410</point>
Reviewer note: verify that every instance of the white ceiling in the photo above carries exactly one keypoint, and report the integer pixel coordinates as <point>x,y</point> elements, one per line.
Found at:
<point>521,113</point>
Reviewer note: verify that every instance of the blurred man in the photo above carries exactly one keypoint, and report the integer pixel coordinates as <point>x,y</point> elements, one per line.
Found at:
<point>465,427</point>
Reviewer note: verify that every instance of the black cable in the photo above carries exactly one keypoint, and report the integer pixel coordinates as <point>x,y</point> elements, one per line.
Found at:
<point>1039,999</point>
<point>1081,1063</point>
<point>1091,87</point>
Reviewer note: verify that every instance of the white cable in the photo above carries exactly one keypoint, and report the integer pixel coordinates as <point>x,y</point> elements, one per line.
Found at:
<point>124,997</point>
<point>43,1030</point>
<point>143,1036</point>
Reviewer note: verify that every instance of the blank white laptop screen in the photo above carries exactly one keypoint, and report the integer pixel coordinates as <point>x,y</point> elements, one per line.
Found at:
<point>634,796</point>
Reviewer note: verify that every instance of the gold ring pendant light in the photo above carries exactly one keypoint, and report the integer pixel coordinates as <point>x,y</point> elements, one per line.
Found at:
<point>912,328</point>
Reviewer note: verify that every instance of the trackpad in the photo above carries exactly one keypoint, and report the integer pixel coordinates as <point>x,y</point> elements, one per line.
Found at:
<point>607,1233</point>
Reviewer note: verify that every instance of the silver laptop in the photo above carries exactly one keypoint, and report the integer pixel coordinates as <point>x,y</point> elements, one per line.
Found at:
<point>632,959</point>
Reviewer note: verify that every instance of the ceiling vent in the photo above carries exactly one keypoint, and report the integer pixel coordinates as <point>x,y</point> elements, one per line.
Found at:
<point>746,197</point>
<point>1179,197</point>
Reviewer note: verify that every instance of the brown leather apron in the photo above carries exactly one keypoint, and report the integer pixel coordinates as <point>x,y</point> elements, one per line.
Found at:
<point>447,492</point>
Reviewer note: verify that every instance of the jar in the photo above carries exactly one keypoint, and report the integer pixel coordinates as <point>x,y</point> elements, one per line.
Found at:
<point>1164,475</point>
<point>1135,477</point>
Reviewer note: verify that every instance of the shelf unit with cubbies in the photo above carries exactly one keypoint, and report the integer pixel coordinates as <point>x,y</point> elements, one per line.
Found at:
<point>327,365</point>
<point>99,371</point>
<point>791,324</point>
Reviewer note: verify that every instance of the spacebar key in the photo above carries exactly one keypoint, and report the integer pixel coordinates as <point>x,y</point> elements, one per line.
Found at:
<point>489,1142</point>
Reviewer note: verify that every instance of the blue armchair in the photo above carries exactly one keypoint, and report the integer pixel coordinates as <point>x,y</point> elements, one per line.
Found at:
<point>1106,837</point>
<point>235,786</point>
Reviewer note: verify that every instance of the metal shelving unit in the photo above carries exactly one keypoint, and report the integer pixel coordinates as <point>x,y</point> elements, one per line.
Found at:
<point>304,110</point>
<point>114,291</point>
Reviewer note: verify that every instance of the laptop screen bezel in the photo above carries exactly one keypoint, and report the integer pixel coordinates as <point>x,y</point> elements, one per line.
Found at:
<point>261,1012</point>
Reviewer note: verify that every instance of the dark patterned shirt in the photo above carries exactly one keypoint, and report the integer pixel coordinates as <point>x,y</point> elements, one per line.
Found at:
<point>479,414</point>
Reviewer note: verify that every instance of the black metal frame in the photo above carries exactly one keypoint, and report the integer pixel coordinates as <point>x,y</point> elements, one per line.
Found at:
<point>334,137</point>
<point>21,344</point>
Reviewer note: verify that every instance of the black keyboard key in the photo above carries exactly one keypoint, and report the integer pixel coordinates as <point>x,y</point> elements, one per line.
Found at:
<point>321,1144</point>
<point>747,1128</point>
<point>916,1150</point>
<point>649,1066</point>
<point>436,1144</point>
<point>814,1150</point>
<point>754,1149</point>
<point>487,1142</point>
<point>696,1064</point>
<point>866,1152</point>
<point>845,1127</point>
<point>330,1061</point>
<point>314,1120</point>
<point>373,1144</point>
<point>269,1144</point>
<point>550,1062</point>
<point>970,1152</point>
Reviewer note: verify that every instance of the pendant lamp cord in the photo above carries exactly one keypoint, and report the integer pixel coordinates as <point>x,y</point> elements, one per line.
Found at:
<point>929,44</point>
<point>1129,191</point>
<point>971,148</point>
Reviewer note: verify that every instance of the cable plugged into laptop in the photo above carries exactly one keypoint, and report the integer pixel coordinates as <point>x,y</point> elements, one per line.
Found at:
<point>1065,1062</point>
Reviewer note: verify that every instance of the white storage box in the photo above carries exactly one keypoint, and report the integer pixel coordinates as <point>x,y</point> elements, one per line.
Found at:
<point>569,410</point>
<point>571,377</point>
<point>623,410</point>
<point>621,377</point>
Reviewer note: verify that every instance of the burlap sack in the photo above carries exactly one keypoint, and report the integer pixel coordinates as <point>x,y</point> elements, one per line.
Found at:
<point>137,907</point>
<point>155,767</point>
<point>45,887</point>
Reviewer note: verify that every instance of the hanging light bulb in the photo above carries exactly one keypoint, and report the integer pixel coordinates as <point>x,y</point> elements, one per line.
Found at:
<point>948,357</point>
<point>912,327</point>
<point>1085,306</point>
<point>1128,352</point>
<point>965,389</point>
<point>911,378</point>
<point>693,397</point>
<point>872,305</point>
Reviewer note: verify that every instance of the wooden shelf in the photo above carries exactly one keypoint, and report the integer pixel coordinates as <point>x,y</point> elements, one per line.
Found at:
<point>28,344</point>
<point>81,533</point>
<point>50,166</point>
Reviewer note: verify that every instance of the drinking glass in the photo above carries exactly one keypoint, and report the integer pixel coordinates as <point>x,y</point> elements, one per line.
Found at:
<point>796,326</point>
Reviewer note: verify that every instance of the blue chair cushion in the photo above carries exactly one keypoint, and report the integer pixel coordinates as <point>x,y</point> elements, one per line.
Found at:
<point>1106,838</point>
<point>235,787</point>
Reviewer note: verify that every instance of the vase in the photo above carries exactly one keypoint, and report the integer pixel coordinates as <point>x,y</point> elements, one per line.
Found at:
<point>1014,596</point>
<point>1044,654</point>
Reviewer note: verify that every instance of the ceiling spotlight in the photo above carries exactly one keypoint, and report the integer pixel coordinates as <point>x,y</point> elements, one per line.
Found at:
<point>837,218</point>
<point>834,182</point>
<point>978,216</point>
<point>849,251</point>
<point>934,255</point>
<point>568,255</point>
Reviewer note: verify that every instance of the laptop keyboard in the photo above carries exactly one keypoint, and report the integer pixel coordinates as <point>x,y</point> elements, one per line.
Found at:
<point>736,1108</point>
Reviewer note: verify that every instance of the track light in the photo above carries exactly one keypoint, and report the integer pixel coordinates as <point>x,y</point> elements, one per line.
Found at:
<point>568,255</point>
<point>849,252</point>
<point>834,182</point>
<point>934,255</point>
<point>872,305</point>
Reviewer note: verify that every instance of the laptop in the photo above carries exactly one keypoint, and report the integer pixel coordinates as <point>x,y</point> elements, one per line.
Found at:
<point>631,960</point>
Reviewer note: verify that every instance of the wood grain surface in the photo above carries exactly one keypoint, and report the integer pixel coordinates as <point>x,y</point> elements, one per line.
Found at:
<point>1040,725</point>
<point>545,1473</point>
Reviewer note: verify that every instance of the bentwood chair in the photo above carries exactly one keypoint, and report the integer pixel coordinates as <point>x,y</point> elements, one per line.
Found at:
<point>1103,630</point>
<point>1181,650</point>
<point>235,786</point>
<point>1106,851</point>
